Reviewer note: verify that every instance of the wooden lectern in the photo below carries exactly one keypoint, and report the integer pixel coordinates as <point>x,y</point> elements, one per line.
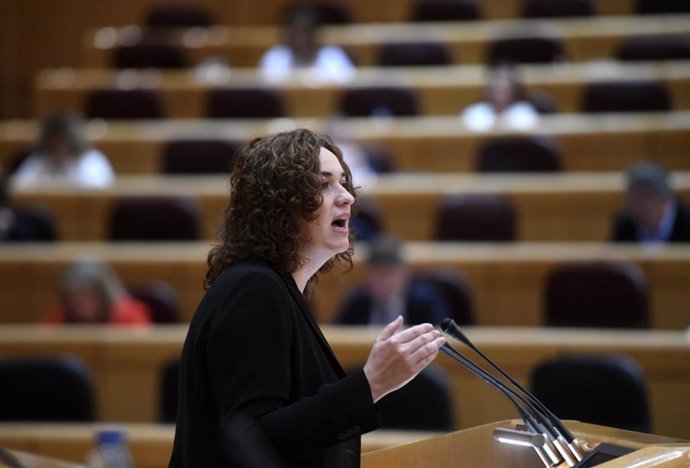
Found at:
<point>476,448</point>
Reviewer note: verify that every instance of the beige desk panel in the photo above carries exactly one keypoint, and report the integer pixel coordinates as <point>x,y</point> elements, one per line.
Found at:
<point>150,444</point>
<point>583,38</point>
<point>587,142</point>
<point>507,281</point>
<point>126,361</point>
<point>244,12</point>
<point>440,90</point>
<point>569,207</point>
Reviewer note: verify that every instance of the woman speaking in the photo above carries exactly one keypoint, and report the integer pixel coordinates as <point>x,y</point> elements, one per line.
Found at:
<point>259,385</point>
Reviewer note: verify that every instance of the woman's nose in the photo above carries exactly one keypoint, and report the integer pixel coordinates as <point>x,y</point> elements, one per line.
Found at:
<point>345,197</point>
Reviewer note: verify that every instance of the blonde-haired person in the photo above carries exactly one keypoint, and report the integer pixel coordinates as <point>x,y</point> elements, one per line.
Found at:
<point>91,293</point>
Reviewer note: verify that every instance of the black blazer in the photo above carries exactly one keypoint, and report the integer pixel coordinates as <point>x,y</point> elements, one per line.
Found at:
<point>625,227</point>
<point>259,384</point>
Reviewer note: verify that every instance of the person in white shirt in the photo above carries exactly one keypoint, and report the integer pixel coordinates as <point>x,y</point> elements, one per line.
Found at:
<point>63,154</point>
<point>301,50</point>
<point>504,104</point>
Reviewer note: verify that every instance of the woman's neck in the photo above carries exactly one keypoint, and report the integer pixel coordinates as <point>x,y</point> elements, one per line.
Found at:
<point>312,264</point>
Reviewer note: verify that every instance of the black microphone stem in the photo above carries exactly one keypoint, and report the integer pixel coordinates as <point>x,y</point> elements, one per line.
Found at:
<point>552,417</point>
<point>464,361</point>
<point>449,326</point>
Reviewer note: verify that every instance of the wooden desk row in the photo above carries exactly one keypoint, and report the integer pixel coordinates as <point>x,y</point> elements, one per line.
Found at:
<point>243,12</point>
<point>150,444</point>
<point>468,42</point>
<point>123,360</point>
<point>560,207</point>
<point>440,90</point>
<point>587,142</point>
<point>507,281</point>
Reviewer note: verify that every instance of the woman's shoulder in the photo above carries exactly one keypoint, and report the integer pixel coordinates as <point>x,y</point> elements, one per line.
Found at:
<point>248,271</point>
<point>244,292</point>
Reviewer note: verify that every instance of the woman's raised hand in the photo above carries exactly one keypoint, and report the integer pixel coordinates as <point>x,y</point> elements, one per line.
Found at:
<point>399,355</point>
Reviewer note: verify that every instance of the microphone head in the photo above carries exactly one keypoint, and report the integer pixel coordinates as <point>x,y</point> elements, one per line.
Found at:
<point>446,323</point>
<point>449,326</point>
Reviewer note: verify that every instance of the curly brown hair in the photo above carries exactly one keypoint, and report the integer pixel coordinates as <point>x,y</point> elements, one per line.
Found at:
<point>275,184</point>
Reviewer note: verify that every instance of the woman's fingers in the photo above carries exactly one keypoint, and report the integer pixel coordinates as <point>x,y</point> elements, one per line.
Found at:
<point>397,356</point>
<point>412,333</point>
<point>428,351</point>
<point>391,329</point>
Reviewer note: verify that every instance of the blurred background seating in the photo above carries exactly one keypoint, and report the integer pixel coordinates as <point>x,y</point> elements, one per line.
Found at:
<point>606,389</point>
<point>509,223</point>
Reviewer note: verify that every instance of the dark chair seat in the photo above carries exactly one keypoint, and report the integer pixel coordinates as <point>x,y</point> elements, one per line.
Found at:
<point>606,389</point>
<point>326,12</point>
<point>36,223</point>
<point>414,54</point>
<point>198,156</point>
<point>424,404</point>
<point>559,8</point>
<point>155,219</point>
<point>655,7</point>
<point>178,16</point>
<point>650,48</point>
<point>477,218</point>
<point>248,103</point>
<point>379,101</point>
<point>601,295</point>
<point>124,104</point>
<point>537,49</point>
<point>150,55</point>
<point>627,96</point>
<point>519,154</point>
<point>169,390</point>
<point>445,10</point>
<point>50,389</point>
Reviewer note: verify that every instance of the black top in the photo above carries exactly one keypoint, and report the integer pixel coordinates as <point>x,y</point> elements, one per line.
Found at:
<point>625,227</point>
<point>259,384</point>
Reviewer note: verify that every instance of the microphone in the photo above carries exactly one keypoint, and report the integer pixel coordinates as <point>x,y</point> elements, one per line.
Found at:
<point>544,450</point>
<point>450,327</point>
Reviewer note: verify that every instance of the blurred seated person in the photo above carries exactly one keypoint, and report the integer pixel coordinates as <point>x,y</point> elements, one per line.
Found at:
<point>390,291</point>
<point>16,225</point>
<point>91,293</point>
<point>652,213</point>
<point>505,103</point>
<point>302,50</point>
<point>63,154</point>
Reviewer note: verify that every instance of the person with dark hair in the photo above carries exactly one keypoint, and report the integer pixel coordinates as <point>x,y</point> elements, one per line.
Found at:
<point>652,213</point>
<point>301,50</point>
<point>259,383</point>
<point>63,154</point>
<point>505,102</point>
<point>91,293</point>
<point>389,291</point>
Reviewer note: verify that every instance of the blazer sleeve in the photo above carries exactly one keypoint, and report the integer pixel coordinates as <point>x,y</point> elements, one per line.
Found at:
<point>249,354</point>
